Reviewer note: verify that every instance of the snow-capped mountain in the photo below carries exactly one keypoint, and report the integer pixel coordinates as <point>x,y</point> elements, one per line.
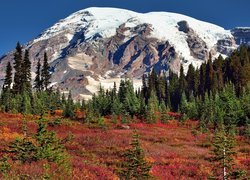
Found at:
<point>102,45</point>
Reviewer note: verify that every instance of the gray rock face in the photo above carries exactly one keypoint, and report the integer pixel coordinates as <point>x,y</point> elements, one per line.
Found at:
<point>183,26</point>
<point>197,46</point>
<point>224,46</point>
<point>84,51</point>
<point>242,35</point>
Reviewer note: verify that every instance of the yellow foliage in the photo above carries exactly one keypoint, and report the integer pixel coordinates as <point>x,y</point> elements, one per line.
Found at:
<point>7,135</point>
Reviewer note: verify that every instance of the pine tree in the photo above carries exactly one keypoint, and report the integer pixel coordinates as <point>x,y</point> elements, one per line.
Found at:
<point>202,81</point>
<point>25,107</point>
<point>69,107</point>
<point>135,166</point>
<point>131,103</point>
<point>18,61</point>
<point>190,81</point>
<point>244,58</point>
<point>145,89</point>
<point>182,80</point>
<point>6,96</point>
<point>223,149</point>
<point>8,77</point>
<point>209,77</point>
<point>142,107</point>
<point>161,81</point>
<point>45,75</point>
<point>218,64</point>
<point>152,108</point>
<point>83,105</point>
<point>152,81</point>
<point>114,92</point>
<point>26,74</point>
<point>38,81</point>
<point>164,113</point>
<point>122,91</point>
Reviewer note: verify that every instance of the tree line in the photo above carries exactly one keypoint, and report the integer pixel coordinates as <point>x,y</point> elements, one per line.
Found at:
<point>216,93</point>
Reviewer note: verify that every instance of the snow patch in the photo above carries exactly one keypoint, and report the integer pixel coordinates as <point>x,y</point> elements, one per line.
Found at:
<point>80,61</point>
<point>69,36</point>
<point>52,84</point>
<point>94,85</point>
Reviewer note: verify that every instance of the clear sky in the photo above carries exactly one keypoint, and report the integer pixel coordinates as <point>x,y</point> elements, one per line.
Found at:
<point>23,20</point>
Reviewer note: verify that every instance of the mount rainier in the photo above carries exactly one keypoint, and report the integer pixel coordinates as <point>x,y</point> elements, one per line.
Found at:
<point>102,45</point>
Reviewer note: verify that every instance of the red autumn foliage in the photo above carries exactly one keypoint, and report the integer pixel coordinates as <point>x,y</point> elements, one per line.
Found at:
<point>172,149</point>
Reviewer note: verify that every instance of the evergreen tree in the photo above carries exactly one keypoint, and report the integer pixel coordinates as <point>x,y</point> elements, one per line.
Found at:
<point>164,113</point>
<point>6,96</point>
<point>244,58</point>
<point>135,166</point>
<point>8,77</point>
<point>160,89</point>
<point>38,81</point>
<point>152,108</point>
<point>152,81</point>
<point>190,81</point>
<point>223,149</point>
<point>202,81</point>
<point>83,105</point>
<point>145,89</point>
<point>218,65</point>
<point>26,74</point>
<point>25,107</point>
<point>209,77</point>
<point>131,103</point>
<point>18,61</point>
<point>116,107</point>
<point>45,75</point>
<point>122,91</point>
<point>114,92</point>
<point>69,110</point>
<point>182,80</point>
<point>142,108</point>
<point>174,95</point>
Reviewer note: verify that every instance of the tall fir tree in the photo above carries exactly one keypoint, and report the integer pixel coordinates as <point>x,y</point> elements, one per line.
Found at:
<point>152,81</point>
<point>202,81</point>
<point>6,96</point>
<point>209,77</point>
<point>18,60</point>
<point>45,76</point>
<point>38,80</point>
<point>223,149</point>
<point>69,109</point>
<point>182,80</point>
<point>8,77</point>
<point>145,88</point>
<point>26,74</point>
<point>190,81</point>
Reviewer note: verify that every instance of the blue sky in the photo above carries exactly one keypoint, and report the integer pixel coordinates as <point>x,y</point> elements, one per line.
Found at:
<point>24,20</point>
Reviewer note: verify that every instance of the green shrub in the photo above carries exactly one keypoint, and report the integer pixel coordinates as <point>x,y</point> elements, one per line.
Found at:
<point>4,165</point>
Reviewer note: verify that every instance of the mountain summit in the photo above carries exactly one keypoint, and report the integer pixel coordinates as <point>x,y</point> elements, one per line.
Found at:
<point>102,45</point>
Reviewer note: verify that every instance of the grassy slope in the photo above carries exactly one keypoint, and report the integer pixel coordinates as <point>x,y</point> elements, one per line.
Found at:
<point>175,151</point>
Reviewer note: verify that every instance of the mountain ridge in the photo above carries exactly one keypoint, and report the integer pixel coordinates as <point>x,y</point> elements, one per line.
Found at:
<point>99,45</point>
